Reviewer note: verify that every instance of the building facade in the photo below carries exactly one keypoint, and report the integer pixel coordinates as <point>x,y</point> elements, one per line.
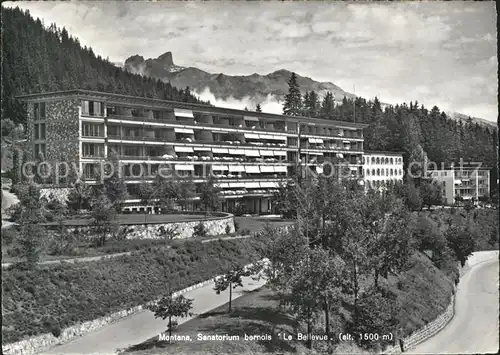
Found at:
<point>250,153</point>
<point>382,168</point>
<point>462,183</point>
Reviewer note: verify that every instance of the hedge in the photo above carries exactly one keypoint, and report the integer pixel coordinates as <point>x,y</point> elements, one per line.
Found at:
<point>61,295</point>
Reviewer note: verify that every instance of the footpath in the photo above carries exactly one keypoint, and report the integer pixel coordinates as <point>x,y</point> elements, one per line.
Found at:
<point>142,326</point>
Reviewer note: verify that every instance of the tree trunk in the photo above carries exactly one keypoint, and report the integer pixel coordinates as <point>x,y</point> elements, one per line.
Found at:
<point>230,295</point>
<point>170,329</point>
<point>309,333</point>
<point>327,319</point>
<point>356,290</point>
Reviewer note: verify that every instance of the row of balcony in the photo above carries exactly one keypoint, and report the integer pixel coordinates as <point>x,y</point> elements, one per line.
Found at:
<point>248,125</point>
<point>223,160</point>
<point>326,147</point>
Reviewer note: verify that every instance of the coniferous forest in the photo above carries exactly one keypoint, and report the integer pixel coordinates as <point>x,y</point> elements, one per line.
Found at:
<point>38,58</point>
<point>412,129</point>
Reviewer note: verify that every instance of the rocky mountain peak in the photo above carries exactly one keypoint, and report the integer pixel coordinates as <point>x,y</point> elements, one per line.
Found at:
<point>135,60</point>
<point>166,59</point>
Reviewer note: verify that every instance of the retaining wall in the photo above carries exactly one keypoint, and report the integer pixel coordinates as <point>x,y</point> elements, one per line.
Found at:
<point>444,318</point>
<point>213,226</point>
<point>61,194</point>
<point>46,341</point>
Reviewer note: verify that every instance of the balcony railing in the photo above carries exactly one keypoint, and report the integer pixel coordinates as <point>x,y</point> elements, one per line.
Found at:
<point>203,124</point>
<point>212,160</point>
<point>220,178</point>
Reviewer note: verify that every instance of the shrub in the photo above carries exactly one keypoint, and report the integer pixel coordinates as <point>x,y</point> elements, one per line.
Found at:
<point>236,226</point>
<point>14,212</point>
<point>245,231</point>
<point>200,231</point>
<point>52,326</point>
<point>9,235</point>
<point>378,314</point>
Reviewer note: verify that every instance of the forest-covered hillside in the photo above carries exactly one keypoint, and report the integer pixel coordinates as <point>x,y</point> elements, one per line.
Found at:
<point>39,58</point>
<point>413,129</point>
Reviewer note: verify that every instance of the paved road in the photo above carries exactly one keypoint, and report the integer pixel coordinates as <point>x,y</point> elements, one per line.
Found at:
<point>143,326</point>
<point>474,328</point>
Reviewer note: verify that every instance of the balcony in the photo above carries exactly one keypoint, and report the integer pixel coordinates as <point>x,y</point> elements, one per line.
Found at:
<point>209,160</point>
<point>195,124</point>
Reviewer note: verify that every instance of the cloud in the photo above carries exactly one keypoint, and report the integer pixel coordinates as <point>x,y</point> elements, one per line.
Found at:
<point>388,48</point>
<point>269,104</point>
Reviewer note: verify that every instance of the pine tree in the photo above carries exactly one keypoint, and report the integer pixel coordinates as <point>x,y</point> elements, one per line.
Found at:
<point>311,104</point>
<point>293,100</point>
<point>327,106</point>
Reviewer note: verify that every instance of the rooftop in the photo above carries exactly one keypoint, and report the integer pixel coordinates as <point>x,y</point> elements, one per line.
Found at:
<point>159,104</point>
<point>381,152</point>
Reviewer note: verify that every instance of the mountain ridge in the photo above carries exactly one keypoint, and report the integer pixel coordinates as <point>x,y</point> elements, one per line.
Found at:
<point>256,86</point>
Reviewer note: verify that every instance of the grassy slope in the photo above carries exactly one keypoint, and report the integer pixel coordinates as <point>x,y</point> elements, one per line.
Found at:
<point>423,293</point>
<point>57,296</point>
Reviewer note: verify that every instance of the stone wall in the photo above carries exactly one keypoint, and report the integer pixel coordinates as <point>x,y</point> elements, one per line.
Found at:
<point>62,131</point>
<point>60,194</point>
<point>214,226</point>
<point>477,258</point>
<point>427,331</point>
<point>45,341</point>
<point>61,127</point>
<point>444,318</point>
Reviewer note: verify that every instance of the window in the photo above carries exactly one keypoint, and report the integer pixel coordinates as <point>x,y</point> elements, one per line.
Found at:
<point>156,114</point>
<point>392,172</point>
<point>39,131</point>
<point>113,131</point>
<point>39,111</point>
<point>40,151</point>
<point>392,161</point>
<point>111,110</point>
<point>368,172</point>
<point>386,172</point>
<point>378,160</point>
<point>378,172</point>
<point>131,132</point>
<point>114,148</point>
<point>89,171</point>
<point>92,130</point>
<point>93,150</point>
<point>382,172</point>
<point>373,172</point>
<point>85,107</point>
<point>131,151</point>
<point>92,108</point>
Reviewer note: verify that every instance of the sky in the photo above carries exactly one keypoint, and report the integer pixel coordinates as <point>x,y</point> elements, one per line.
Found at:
<point>439,53</point>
